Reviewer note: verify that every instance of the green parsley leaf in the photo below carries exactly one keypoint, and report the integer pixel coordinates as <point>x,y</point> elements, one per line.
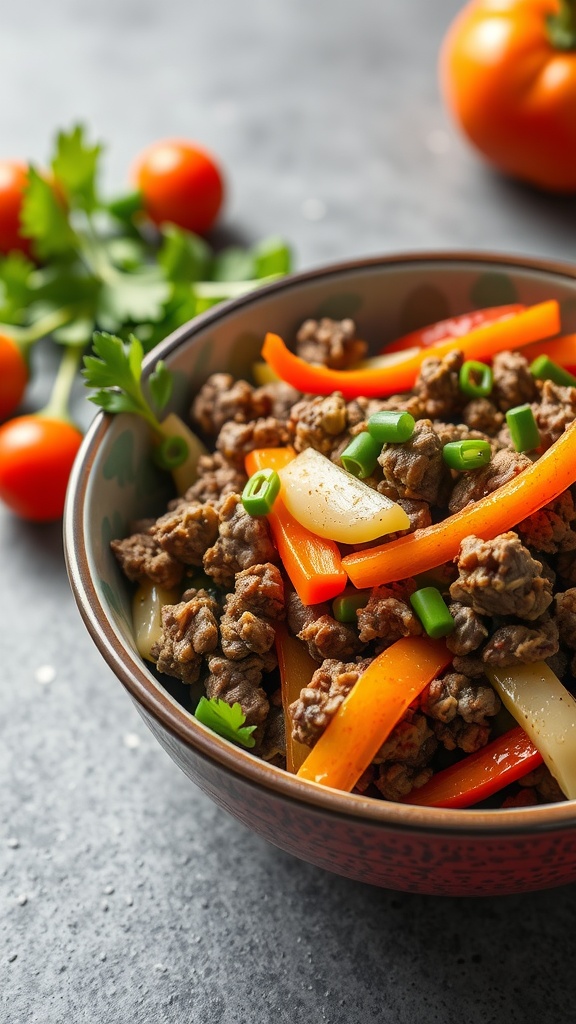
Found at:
<point>184,256</point>
<point>233,264</point>
<point>44,219</point>
<point>75,166</point>
<point>271,256</point>
<point>161,384</point>
<point>16,287</point>
<point>225,719</point>
<point>132,298</point>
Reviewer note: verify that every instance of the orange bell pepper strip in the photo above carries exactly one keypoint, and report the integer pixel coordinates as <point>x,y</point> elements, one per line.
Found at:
<point>455,327</point>
<point>314,564</point>
<point>532,324</point>
<point>481,774</point>
<point>496,513</point>
<point>370,711</point>
<point>296,670</point>
<point>561,350</point>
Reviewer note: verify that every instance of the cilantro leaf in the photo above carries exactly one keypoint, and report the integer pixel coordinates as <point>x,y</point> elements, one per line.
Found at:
<point>44,219</point>
<point>184,256</point>
<point>75,166</point>
<point>161,384</point>
<point>132,298</point>
<point>16,288</point>
<point>271,256</point>
<point>225,719</point>
<point>233,264</point>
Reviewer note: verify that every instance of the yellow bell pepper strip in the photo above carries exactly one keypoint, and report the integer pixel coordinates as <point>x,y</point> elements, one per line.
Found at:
<point>547,712</point>
<point>532,324</point>
<point>481,774</point>
<point>313,564</point>
<point>296,669</point>
<point>370,711</point>
<point>496,513</point>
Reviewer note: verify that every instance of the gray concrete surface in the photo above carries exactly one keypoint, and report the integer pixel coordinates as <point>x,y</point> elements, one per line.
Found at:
<point>126,897</point>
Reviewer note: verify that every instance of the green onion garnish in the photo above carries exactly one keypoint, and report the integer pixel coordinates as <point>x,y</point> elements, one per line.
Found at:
<point>346,605</point>
<point>260,492</point>
<point>463,455</point>
<point>361,455</point>
<point>391,426</point>
<point>523,429</point>
<point>546,369</point>
<point>432,611</point>
<point>171,452</point>
<point>475,379</point>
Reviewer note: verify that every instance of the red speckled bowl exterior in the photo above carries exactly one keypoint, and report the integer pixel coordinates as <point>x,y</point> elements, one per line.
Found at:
<point>424,850</point>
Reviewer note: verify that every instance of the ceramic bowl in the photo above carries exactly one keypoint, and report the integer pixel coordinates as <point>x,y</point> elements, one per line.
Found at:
<point>425,850</point>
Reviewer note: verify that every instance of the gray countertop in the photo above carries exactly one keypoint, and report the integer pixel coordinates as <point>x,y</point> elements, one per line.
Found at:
<point>125,894</point>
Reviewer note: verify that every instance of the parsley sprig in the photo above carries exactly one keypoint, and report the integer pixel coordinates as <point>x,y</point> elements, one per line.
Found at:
<point>115,371</point>
<point>225,719</point>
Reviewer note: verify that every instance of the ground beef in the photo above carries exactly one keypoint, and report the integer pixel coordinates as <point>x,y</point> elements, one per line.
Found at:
<point>418,513</point>
<point>461,735</point>
<point>278,397</point>
<point>331,343</point>
<point>416,469</point>
<point>544,783</point>
<point>469,629</point>
<point>500,577</point>
<point>513,382</point>
<point>243,540</point>
<point>395,781</point>
<point>319,701</point>
<point>189,631</point>
<point>142,558</point>
<point>410,742</point>
<point>217,477</point>
<point>235,440</point>
<point>456,694</point>
<point>448,432</point>
<point>250,613</point>
<point>469,665</point>
<point>239,682</point>
<point>223,398</point>
<point>387,616</point>
<point>187,531</point>
<point>317,422</point>
<point>565,615</point>
<point>483,415</point>
<point>552,528</point>
<point>555,411</point>
<point>299,615</point>
<point>273,746</point>
<point>566,566</point>
<point>513,644</point>
<point>438,387</point>
<point>474,484</point>
<point>325,637</point>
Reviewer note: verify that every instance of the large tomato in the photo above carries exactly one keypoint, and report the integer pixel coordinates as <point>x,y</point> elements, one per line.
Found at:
<point>508,74</point>
<point>181,183</point>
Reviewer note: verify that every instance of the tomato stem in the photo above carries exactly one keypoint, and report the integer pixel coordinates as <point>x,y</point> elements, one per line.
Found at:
<point>561,27</point>
<point>57,406</point>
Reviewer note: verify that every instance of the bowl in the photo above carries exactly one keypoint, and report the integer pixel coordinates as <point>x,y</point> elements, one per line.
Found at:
<point>397,846</point>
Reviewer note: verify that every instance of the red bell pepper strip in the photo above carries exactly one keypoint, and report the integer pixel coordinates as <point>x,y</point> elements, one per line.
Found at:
<point>313,563</point>
<point>533,324</point>
<point>296,669</point>
<point>370,711</point>
<point>454,327</point>
<point>481,774</point>
<point>496,513</point>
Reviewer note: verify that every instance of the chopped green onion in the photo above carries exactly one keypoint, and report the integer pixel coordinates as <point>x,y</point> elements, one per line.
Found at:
<point>475,379</point>
<point>261,492</point>
<point>361,455</point>
<point>171,452</point>
<point>463,455</point>
<point>432,611</point>
<point>391,426</point>
<point>546,369</point>
<point>523,429</point>
<point>346,605</point>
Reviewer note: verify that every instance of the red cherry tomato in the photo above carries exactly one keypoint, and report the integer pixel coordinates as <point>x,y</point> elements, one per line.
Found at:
<point>36,457</point>
<point>13,181</point>
<point>13,375</point>
<point>454,327</point>
<point>180,183</point>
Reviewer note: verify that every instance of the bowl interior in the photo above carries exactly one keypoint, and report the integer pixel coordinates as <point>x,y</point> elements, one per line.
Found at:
<point>115,482</point>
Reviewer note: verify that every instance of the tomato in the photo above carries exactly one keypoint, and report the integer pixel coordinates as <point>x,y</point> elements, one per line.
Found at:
<point>180,183</point>
<point>454,327</point>
<point>36,457</point>
<point>13,181</point>
<point>13,375</point>
<point>508,74</point>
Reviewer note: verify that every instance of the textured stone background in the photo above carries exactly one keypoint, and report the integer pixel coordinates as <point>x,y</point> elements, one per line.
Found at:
<point>125,895</point>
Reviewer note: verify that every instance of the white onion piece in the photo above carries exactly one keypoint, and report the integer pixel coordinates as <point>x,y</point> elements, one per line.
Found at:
<point>546,710</point>
<point>187,473</point>
<point>332,503</point>
<point>147,605</point>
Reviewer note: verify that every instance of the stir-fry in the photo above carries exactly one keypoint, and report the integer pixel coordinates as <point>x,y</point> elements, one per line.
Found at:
<point>370,578</point>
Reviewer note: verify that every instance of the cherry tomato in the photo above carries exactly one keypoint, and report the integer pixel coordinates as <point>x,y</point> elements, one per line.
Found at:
<point>13,375</point>
<point>508,74</point>
<point>36,457</point>
<point>453,327</point>
<point>180,183</point>
<point>13,181</point>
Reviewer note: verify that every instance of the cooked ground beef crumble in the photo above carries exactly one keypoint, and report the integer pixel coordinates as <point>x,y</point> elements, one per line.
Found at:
<point>512,597</point>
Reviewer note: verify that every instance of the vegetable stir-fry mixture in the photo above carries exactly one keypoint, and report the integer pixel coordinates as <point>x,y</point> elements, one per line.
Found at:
<point>368,576</point>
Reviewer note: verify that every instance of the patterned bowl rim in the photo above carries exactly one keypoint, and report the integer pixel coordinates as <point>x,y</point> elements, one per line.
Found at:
<point>179,722</point>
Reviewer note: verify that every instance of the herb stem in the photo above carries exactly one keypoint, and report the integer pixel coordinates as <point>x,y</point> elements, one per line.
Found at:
<point>25,337</point>
<point>57,405</point>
